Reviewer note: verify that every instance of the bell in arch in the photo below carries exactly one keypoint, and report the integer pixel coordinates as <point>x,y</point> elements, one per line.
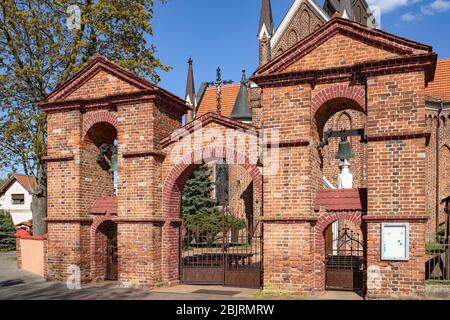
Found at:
<point>345,150</point>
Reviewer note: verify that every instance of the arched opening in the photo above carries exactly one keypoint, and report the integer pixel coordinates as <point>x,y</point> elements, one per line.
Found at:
<point>217,245</point>
<point>337,119</point>
<point>105,258</point>
<point>99,162</point>
<point>344,256</point>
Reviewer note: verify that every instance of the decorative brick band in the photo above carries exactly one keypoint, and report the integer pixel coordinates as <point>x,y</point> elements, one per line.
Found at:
<point>396,218</point>
<point>287,144</point>
<point>269,219</point>
<point>142,154</point>
<point>60,158</point>
<point>99,117</point>
<point>158,220</point>
<point>68,219</point>
<point>399,136</point>
<point>354,93</point>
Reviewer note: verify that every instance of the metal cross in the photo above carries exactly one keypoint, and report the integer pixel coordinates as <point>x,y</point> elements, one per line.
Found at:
<point>218,84</point>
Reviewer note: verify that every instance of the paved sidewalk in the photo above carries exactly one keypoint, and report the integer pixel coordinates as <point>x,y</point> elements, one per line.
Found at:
<point>16,284</point>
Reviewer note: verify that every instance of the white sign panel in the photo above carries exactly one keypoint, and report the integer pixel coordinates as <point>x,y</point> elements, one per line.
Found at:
<point>395,241</point>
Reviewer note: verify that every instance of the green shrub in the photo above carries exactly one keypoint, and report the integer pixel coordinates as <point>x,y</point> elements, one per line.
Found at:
<point>7,230</point>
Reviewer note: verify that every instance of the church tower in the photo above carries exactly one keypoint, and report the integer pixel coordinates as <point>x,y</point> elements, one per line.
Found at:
<point>265,32</point>
<point>190,97</point>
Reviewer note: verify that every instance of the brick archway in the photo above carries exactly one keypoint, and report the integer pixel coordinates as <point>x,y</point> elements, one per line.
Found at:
<point>98,117</point>
<point>325,220</point>
<point>337,91</point>
<point>97,248</point>
<point>172,188</point>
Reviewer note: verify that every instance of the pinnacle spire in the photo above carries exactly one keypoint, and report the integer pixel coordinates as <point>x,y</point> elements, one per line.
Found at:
<point>266,19</point>
<point>190,85</point>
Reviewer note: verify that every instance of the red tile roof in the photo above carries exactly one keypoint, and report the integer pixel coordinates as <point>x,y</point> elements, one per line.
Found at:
<point>209,102</point>
<point>28,182</point>
<point>341,200</point>
<point>440,87</point>
<point>106,205</point>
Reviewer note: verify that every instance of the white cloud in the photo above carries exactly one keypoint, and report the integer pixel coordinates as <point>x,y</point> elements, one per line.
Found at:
<point>390,5</point>
<point>437,6</point>
<point>410,17</point>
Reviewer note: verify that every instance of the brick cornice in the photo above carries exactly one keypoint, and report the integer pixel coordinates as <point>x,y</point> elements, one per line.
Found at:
<point>151,95</point>
<point>202,122</point>
<point>68,219</point>
<point>288,143</point>
<point>418,218</point>
<point>351,73</point>
<point>362,33</point>
<point>58,158</point>
<point>145,153</point>
<point>121,219</point>
<point>269,219</point>
<point>399,136</point>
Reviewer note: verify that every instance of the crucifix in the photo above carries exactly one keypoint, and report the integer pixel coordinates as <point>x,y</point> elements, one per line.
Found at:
<point>218,84</point>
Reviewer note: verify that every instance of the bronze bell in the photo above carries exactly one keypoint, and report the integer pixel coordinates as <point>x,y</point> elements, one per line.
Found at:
<point>345,150</point>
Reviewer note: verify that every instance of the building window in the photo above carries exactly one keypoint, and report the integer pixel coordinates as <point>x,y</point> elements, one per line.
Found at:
<point>18,199</point>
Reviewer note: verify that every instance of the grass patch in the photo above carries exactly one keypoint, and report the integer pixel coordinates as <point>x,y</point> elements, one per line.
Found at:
<point>279,294</point>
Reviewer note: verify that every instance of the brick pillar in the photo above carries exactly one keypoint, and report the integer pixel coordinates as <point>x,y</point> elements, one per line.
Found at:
<point>288,190</point>
<point>396,181</point>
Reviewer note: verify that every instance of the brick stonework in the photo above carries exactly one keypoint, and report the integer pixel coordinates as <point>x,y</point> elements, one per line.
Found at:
<point>344,75</point>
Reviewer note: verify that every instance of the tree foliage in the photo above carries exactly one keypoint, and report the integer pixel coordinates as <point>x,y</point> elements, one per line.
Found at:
<point>203,221</point>
<point>38,52</point>
<point>7,230</point>
<point>197,193</point>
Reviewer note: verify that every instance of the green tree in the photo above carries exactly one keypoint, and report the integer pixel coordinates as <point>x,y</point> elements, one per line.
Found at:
<point>200,216</point>
<point>197,192</point>
<point>41,46</point>
<point>7,230</point>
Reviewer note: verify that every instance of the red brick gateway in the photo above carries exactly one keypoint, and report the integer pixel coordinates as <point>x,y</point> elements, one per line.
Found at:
<point>342,66</point>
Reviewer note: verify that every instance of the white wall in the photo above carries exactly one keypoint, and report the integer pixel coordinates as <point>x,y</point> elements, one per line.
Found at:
<point>19,213</point>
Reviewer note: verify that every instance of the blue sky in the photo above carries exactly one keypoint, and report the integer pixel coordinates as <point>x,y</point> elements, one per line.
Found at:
<point>217,32</point>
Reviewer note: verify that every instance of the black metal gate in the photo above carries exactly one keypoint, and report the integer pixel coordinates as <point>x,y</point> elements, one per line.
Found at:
<point>229,257</point>
<point>112,255</point>
<point>344,262</point>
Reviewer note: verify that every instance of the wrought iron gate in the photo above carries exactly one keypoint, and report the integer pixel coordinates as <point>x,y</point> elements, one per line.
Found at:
<point>344,262</point>
<point>112,256</point>
<point>230,257</point>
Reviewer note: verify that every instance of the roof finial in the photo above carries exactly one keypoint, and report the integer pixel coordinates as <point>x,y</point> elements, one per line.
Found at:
<point>244,77</point>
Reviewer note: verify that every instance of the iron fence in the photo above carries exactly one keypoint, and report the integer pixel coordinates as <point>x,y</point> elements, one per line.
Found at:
<point>437,265</point>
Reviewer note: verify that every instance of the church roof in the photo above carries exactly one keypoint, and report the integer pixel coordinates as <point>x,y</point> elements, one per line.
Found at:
<point>209,103</point>
<point>440,87</point>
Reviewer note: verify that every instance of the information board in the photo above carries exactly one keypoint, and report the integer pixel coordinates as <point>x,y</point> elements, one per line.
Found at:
<point>395,241</point>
